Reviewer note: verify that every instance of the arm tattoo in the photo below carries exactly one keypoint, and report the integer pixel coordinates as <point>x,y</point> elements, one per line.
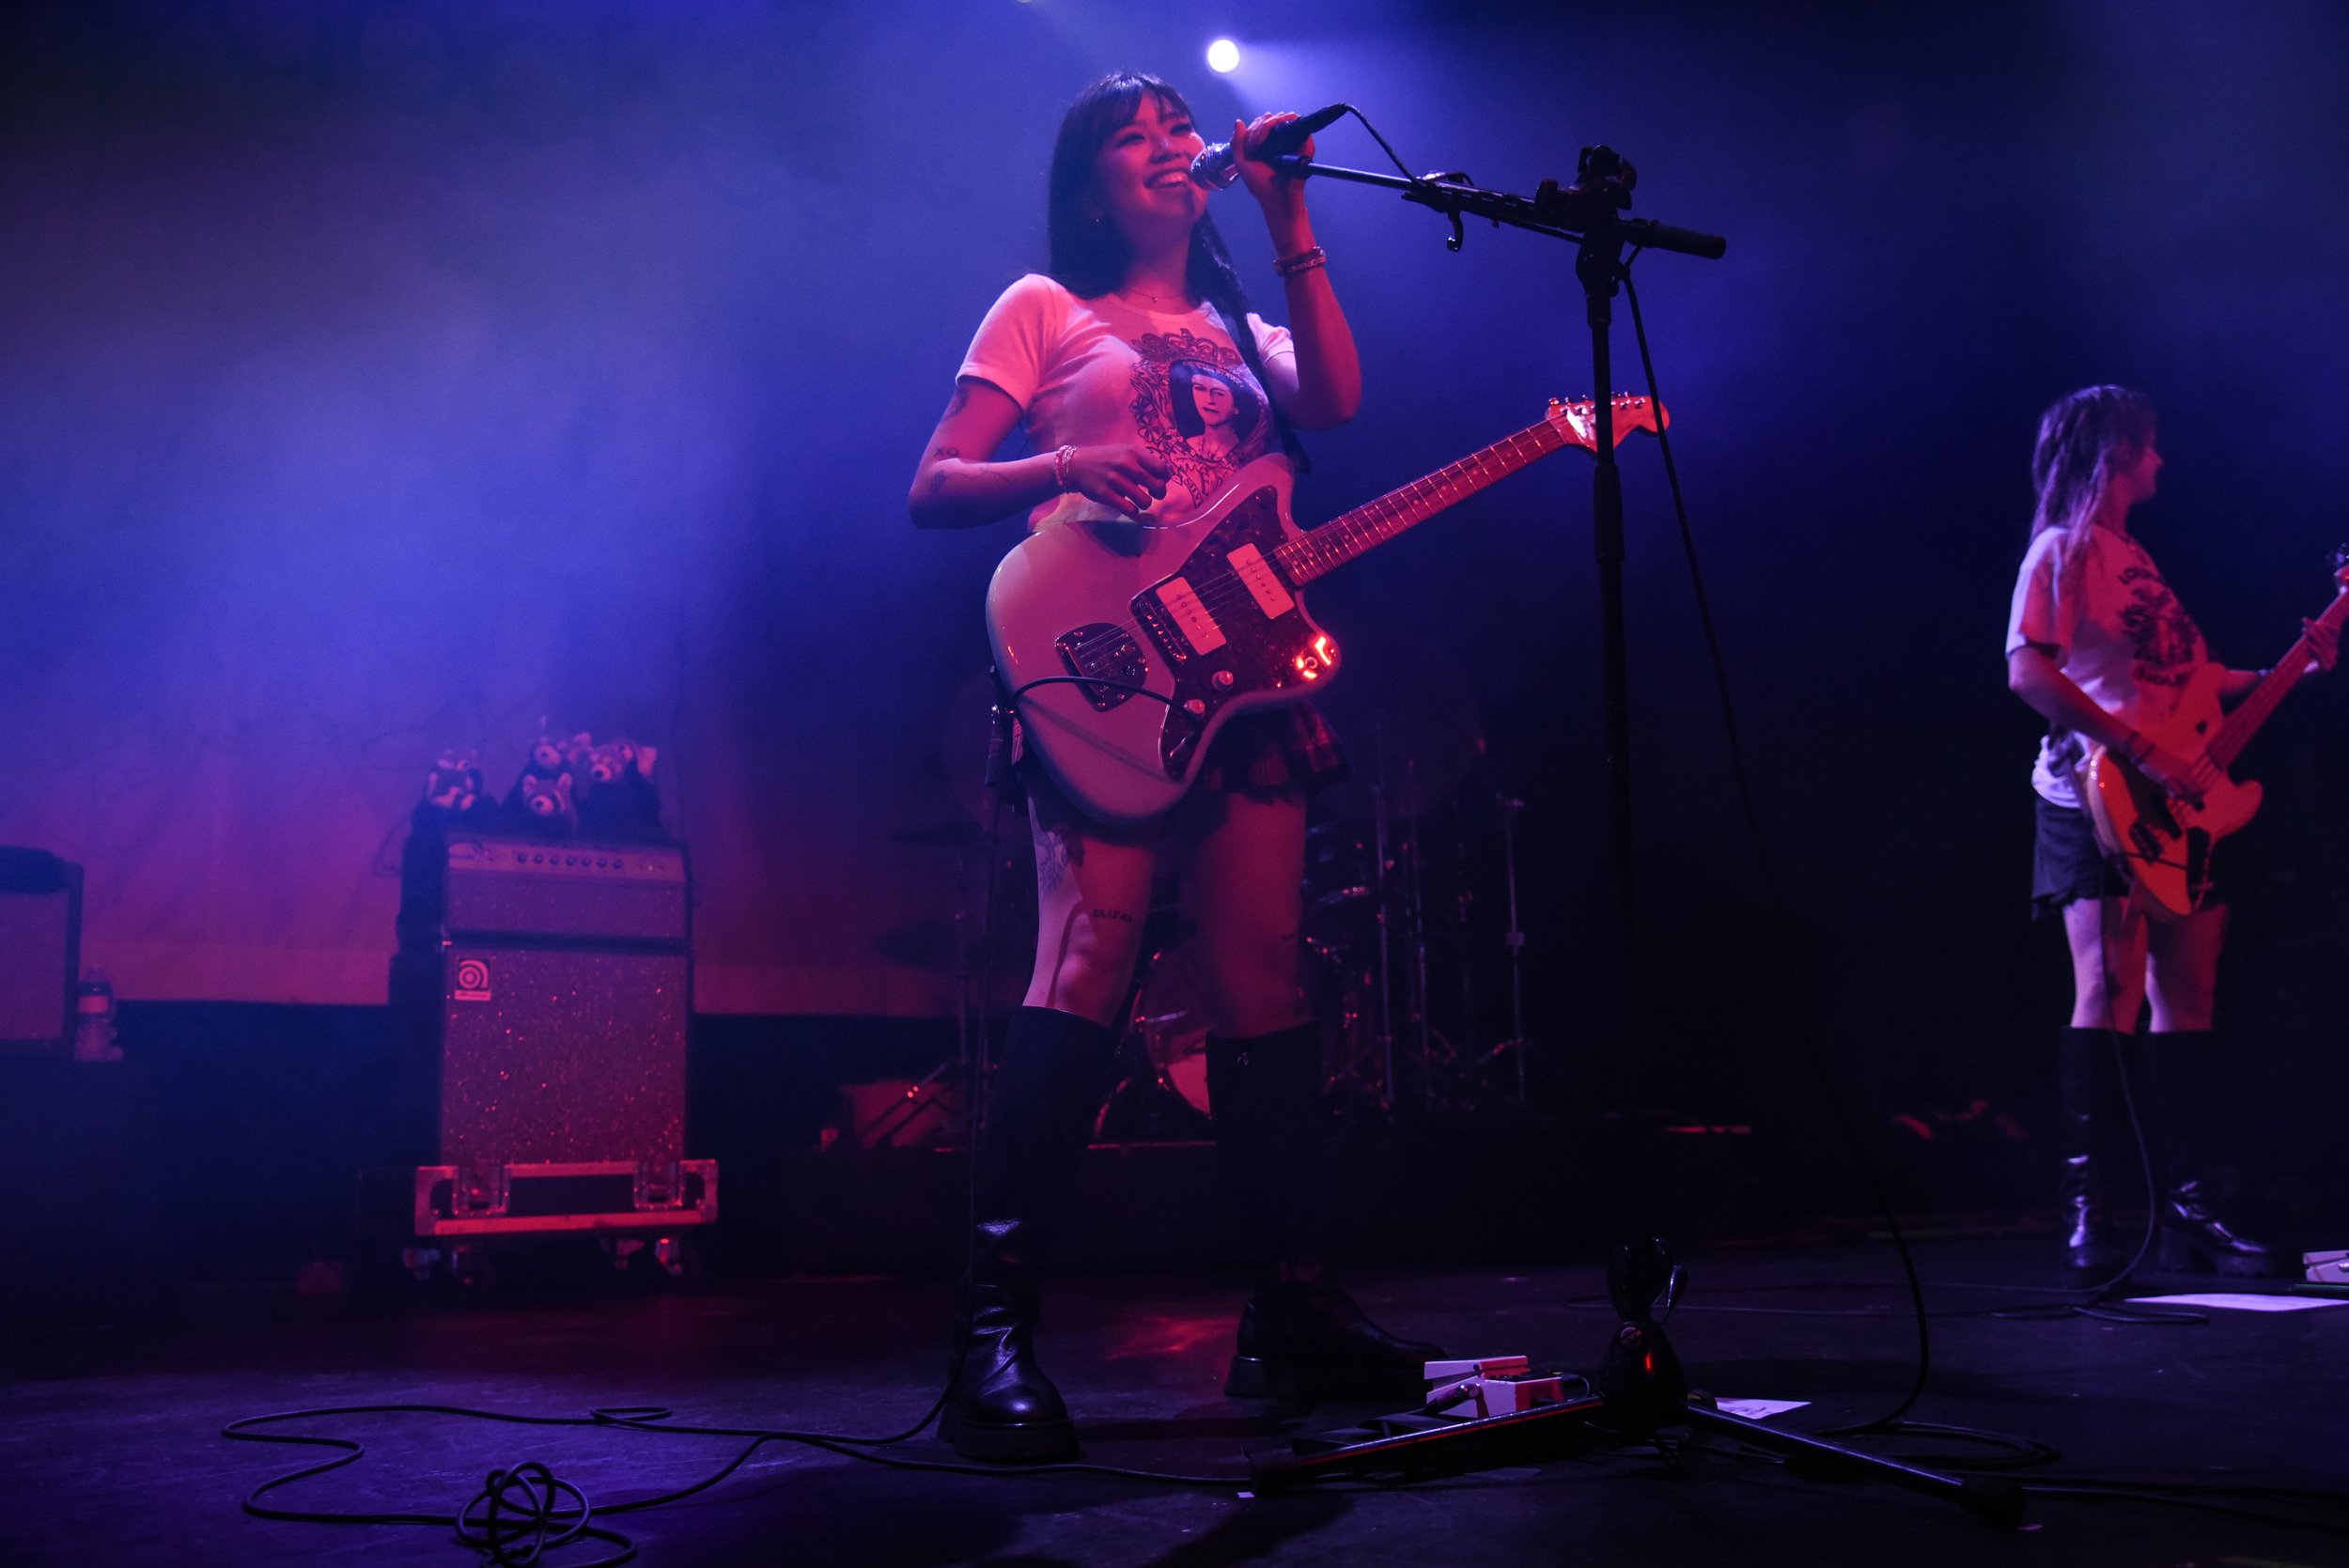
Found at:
<point>1051,866</point>
<point>959,402</point>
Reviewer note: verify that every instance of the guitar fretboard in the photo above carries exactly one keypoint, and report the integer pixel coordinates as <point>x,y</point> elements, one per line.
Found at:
<point>2252,711</point>
<point>1373,523</point>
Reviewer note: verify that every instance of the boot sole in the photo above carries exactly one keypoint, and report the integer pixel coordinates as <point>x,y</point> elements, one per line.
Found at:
<point>1019,1443</point>
<point>2180,1255</point>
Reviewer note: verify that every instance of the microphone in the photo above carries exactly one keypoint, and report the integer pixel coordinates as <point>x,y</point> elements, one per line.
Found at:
<point>1218,165</point>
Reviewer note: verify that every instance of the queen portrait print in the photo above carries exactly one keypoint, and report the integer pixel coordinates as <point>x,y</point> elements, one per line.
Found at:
<point>1196,407</point>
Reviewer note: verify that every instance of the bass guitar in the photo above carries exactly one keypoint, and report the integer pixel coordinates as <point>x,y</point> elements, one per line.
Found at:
<point>2162,842</point>
<point>1126,645</point>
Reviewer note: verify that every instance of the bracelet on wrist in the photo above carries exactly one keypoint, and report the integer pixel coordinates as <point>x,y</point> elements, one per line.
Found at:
<point>1303,261</point>
<point>1062,462</point>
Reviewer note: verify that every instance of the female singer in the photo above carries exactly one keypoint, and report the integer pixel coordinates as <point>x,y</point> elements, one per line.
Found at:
<point>1141,296</point>
<point>2100,647</point>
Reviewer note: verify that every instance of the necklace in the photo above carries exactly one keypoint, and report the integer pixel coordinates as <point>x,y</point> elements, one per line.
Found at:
<point>1158,301</point>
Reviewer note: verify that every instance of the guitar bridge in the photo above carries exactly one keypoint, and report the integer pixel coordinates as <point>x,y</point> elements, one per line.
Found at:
<point>1104,653</point>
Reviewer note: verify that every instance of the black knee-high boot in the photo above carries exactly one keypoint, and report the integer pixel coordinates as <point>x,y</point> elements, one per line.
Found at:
<point>1300,1334</point>
<point>2186,1080</point>
<point>1040,1109</point>
<point>2084,1075</point>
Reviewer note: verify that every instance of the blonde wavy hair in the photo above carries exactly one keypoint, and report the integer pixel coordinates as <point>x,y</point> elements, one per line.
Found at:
<point>2083,438</point>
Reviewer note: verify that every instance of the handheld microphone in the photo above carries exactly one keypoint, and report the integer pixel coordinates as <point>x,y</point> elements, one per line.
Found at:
<point>1218,165</point>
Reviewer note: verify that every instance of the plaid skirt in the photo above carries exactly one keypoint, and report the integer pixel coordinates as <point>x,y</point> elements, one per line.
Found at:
<point>1283,751</point>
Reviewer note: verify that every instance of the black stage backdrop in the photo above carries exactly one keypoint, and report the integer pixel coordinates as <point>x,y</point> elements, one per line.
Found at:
<point>381,378</point>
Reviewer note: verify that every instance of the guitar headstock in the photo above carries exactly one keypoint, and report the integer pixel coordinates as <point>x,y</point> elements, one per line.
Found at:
<point>1577,420</point>
<point>2339,561</point>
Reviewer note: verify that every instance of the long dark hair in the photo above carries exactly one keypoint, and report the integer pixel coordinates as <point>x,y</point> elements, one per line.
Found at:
<point>1089,256</point>
<point>2080,441</point>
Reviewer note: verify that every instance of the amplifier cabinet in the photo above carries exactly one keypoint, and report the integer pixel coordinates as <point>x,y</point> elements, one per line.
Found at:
<point>561,1055</point>
<point>544,989</point>
<point>482,886</point>
<point>41,940</point>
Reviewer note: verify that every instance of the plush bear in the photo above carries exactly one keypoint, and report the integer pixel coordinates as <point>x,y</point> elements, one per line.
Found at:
<point>621,801</point>
<point>546,803</point>
<point>546,754</point>
<point>453,795</point>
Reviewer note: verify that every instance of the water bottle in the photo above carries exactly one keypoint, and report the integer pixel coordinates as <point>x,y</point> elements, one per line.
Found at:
<point>94,1019</point>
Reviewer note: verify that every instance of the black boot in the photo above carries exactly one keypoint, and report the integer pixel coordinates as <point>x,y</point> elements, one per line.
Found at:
<point>2084,1072</point>
<point>2185,1083</point>
<point>1040,1109</point>
<point>1300,1335</point>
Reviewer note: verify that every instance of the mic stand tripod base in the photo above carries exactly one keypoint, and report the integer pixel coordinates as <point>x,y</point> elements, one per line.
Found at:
<point>1413,1444</point>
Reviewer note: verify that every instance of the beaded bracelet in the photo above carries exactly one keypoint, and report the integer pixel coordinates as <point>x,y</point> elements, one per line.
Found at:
<point>1061,461</point>
<point>1303,261</point>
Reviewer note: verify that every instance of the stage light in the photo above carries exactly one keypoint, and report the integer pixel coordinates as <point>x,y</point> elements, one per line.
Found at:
<point>1223,56</point>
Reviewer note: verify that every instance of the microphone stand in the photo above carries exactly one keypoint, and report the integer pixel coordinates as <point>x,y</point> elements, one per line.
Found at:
<point>1639,1388</point>
<point>1587,215</point>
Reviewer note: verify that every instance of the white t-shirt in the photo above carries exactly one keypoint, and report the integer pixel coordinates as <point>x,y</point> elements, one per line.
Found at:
<point>1091,371</point>
<point>2117,630</point>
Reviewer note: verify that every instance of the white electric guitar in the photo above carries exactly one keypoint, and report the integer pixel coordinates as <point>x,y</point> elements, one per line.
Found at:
<point>2164,843</point>
<point>1126,645</point>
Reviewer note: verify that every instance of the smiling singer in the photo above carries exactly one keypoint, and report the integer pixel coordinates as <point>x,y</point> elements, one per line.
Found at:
<point>1143,384</point>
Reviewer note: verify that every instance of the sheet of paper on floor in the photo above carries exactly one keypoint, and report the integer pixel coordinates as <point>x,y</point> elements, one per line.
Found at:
<point>2241,1301</point>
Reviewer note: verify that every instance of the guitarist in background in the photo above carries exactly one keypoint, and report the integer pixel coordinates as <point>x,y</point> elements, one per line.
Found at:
<point>1104,361</point>
<point>2099,647</point>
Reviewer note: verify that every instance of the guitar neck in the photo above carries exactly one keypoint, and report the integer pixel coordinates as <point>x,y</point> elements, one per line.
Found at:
<point>1373,523</point>
<point>2252,711</point>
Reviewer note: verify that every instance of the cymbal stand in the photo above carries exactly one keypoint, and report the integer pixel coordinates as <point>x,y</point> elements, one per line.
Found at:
<point>1513,938</point>
<point>1463,920</point>
<point>1380,906</point>
<point>1415,924</point>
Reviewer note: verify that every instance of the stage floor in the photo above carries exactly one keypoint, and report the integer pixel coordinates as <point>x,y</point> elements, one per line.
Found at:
<point>112,1451</point>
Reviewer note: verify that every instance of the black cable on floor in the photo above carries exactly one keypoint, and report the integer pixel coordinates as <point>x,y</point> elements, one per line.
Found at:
<point>525,1512</point>
<point>1772,899</point>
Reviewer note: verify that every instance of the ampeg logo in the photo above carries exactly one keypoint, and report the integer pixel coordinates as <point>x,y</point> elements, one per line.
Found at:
<point>473,981</point>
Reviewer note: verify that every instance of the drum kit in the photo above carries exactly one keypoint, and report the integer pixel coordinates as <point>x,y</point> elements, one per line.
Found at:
<point>1412,951</point>
<point>1397,957</point>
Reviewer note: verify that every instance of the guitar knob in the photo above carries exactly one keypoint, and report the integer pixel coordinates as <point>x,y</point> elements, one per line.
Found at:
<point>1223,679</point>
<point>1196,708</point>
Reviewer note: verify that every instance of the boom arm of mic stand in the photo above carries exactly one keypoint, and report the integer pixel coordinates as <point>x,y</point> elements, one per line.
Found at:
<point>1456,200</point>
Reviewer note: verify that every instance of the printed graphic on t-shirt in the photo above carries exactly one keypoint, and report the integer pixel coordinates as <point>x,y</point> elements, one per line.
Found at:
<point>1198,409</point>
<point>2168,644</point>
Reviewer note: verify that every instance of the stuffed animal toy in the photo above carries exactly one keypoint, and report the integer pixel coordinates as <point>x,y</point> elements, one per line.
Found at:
<point>453,785</point>
<point>546,803</point>
<point>546,754</point>
<point>577,753</point>
<point>621,801</point>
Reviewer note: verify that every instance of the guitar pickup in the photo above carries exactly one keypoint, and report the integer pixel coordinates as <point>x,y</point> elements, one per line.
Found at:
<point>1189,616</point>
<point>1264,584</point>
